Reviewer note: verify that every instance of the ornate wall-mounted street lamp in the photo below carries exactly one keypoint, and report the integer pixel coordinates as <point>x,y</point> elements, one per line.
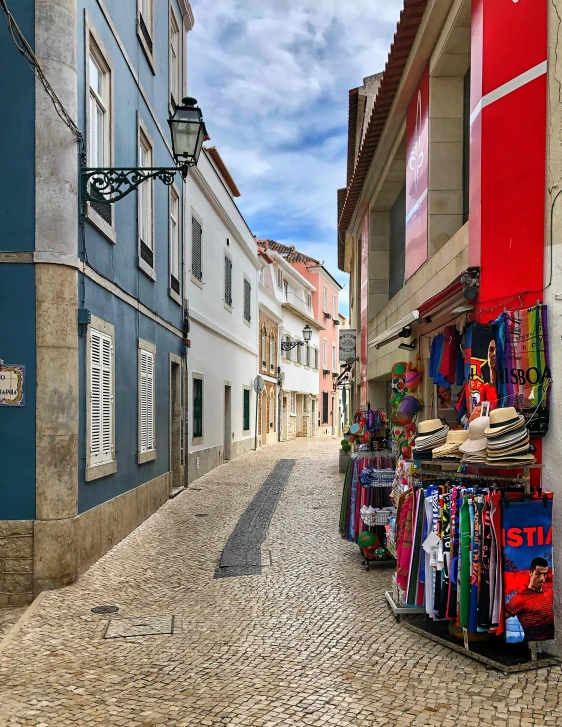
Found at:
<point>112,184</point>
<point>306,334</point>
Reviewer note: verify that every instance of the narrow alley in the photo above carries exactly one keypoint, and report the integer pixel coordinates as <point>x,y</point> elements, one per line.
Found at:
<point>308,641</point>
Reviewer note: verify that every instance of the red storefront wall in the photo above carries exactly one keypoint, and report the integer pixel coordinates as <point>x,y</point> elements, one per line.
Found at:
<point>508,152</point>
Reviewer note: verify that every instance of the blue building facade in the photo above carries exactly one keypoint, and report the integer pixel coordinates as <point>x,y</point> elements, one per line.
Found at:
<point>98,444</point>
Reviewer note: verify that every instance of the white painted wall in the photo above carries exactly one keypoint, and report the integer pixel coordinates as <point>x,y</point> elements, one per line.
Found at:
<point>223,345</point>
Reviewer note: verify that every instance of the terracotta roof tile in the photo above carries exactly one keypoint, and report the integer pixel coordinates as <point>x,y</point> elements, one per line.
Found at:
<point>221,166</point>
<point>289,252</point>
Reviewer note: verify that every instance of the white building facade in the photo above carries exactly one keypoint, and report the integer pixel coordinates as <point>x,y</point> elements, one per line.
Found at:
<point>298,410</point>
<point>221,282</point>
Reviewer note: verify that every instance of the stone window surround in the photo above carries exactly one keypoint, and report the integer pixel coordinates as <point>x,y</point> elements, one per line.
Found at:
<point>173,17</point>
<point>227,254</point>
<point>247,388</point>
<point>247,322</point>
<point>172,293</point>
<point>96,472</point>
<point>194,280</point>
<point>152,454</point>
<point>107,230</point>
<point>200,377</point>
<point>142,130</point>
<point>150,27</point>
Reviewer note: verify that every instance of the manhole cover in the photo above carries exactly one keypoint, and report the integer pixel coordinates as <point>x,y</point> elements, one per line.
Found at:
<point>150,626</point>
<point>201,514</point>
<point>105,609</point>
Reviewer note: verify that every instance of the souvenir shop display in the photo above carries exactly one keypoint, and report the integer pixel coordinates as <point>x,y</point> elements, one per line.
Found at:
<point>474,556</point>
<point>405,403</point>
<point>451,448</point>
<point>366,506</point>
<point>431,435</point>
<point>475,449</point>
<point>508,439</point>
<point>522,362</point>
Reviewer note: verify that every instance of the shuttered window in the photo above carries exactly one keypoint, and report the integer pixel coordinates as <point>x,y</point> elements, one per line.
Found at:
<point>197,408</point>
<point>227,280</point>
<point>146,401</point>
<point>246,410</point>
<point>324,407</point>
<point>101,398</point>
<point>196,242</point>
<point>316,356</point>
<point>247,300</point>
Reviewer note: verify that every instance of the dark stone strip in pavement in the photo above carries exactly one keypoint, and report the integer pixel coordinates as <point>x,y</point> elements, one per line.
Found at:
<point>242,553</point>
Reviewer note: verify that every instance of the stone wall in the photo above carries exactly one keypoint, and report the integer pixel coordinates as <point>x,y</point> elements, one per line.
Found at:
<point>16,562</point>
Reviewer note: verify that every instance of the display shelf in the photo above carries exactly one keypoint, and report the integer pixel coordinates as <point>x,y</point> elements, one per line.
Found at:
<point>399,611</point>
<point>378,563</point>
<point>427,464</point>
<point>495,653</point>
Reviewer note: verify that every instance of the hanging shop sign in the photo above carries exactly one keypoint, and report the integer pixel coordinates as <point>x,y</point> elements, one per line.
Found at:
<point>11,385</point>
<point>348,342</point>
<point>417,177</point>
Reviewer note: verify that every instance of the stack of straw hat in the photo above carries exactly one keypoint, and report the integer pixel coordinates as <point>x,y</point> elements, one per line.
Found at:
<point>474,449</point>
<point>508,439</point>
<point>431,434</point>
<point>450,450</point>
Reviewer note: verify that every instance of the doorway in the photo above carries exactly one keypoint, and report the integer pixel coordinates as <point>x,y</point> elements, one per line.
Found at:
<point>300,412</point>
<point>227,422</point>
<point>176,421</point>
<point>313,418</point>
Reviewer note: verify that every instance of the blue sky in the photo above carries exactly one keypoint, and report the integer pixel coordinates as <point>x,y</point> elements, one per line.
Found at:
<point>272,77</point>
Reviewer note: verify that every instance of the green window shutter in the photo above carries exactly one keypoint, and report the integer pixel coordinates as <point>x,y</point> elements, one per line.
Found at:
<point>246,410</point>
<point>197,408</point>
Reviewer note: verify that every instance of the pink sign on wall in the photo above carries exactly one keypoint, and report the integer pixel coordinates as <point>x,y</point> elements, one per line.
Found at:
<point>417,176</point>
<point>364,305</point>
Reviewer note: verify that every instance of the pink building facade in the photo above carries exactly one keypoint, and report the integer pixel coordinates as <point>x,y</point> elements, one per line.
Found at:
<point>325,304</point>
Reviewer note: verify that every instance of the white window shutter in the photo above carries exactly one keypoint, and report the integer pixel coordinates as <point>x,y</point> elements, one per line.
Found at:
<point>147,401</point>
<point>101,398</point>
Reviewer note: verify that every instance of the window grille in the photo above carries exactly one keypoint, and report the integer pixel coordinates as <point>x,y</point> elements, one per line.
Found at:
<point>246,410</point>
<point>247,300</point>
<point>196,243</point>
<point>197,408</point>
<point>227,280</point>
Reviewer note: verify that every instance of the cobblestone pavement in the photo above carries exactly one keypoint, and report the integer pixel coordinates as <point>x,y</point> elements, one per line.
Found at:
<point>310,641</point>
<point>8,617</point>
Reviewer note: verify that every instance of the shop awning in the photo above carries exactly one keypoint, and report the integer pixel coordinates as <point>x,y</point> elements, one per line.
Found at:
<point>445,302</point>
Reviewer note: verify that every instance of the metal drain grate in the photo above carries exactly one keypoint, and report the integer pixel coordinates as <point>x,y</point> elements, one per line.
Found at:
<point>122,628</point>
<point>201,514</point>
<point>105,609</point>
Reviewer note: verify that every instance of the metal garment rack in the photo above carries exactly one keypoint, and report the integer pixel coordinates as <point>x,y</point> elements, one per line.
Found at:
<point>435,469</point>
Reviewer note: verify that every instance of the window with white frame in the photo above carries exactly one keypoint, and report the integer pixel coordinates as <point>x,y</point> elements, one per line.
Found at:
<point>101,443</point>
<point>272,353</point>
<point>174,241</point>
<point>145,194</point>
<point>308,300</point>
<point>196,249</point>
<point>287,354</point>
<point>324,353</point>
<point>307,355</point>
<point>325,299</point>
<point>316,358</point>
<point>279,278</point>
<point>334,359</point>
<point>146,398</point>
<point>146,24</point>
<point>299,352</point>
<point>264,348</point>
<point>99,109</point>
<point>175,60</point>
<point>334,307</point>
<point>293,402</point>
<point>228,280</point>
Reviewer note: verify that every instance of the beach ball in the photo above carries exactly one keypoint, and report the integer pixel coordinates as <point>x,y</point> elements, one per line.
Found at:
<point>367,540</point>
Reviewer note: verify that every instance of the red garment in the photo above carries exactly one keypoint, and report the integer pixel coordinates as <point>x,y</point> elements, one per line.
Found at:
<point>535,613</point>
<point>448,365</point>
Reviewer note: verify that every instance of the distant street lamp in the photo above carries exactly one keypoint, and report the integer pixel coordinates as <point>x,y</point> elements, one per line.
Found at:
<point>110,184</point>
<point>306,334</point>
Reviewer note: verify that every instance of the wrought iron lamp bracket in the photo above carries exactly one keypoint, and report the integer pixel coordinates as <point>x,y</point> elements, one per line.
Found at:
<point>289,345</point>
<point>112,184</point>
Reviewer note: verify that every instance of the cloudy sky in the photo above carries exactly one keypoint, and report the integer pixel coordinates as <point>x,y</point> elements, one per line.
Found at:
<point>272,77</point>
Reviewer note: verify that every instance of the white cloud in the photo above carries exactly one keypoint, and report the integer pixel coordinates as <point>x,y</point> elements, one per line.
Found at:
<point>272,77</point>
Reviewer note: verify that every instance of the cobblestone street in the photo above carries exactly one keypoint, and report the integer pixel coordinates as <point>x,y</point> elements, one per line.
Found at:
<point>309,641</point>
